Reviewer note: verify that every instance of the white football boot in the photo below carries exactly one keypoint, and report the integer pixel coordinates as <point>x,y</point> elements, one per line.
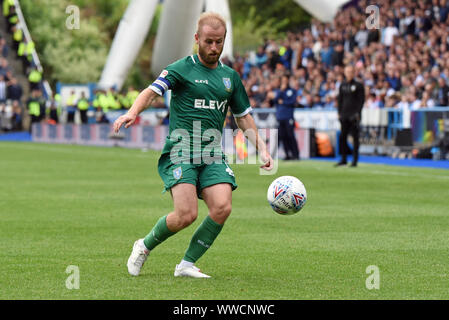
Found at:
<point>137,258</point>
<point>192,272</point>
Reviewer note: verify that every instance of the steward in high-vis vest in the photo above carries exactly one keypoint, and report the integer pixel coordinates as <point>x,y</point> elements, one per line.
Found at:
<point>58,102</point>
<point>7,4</point>
<point>9,11</point>
<point>54,111</point>
<point>17,36</point>
<point>112,100</point>
<point>34,107</point>
<point>100,102</point>
<point>25,53</point>
<point>71,107</point>
<point>83,105</point>
<point>132,96</point>
<point>13,19</point>
<point>34,79</point>
<point>124,101</point>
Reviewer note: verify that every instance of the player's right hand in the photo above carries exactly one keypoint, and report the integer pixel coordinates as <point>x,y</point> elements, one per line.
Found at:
<point>127,119</point>
<point>268,162</point>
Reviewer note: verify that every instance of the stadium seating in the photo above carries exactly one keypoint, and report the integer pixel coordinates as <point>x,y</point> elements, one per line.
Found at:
<point>403,64</point>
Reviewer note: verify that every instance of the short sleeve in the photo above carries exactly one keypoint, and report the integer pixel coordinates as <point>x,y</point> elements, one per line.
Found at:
<point>167,80</point>
<point>239,100</point>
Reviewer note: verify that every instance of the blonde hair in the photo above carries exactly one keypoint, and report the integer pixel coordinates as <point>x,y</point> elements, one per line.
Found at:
<point>211,19</point>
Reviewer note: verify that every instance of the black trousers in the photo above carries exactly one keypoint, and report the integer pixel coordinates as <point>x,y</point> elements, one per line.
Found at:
<point>70,117</point>
<point>83,114</point>
<point>351,127</point>
<point>287,138</point>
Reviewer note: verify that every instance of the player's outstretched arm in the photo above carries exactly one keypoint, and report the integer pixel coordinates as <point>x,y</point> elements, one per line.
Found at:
<point>248,126</point>
<point>142,102</point>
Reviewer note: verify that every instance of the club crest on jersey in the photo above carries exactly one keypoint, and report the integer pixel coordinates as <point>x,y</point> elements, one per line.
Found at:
<point>227,84</point>
<point>177,173</point>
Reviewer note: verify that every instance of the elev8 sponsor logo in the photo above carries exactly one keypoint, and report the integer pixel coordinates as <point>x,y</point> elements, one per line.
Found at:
<point>211,104</point>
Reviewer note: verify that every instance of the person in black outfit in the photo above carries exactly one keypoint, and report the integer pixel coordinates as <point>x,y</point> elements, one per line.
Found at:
<point>285,100</point>
<point>14,90</point>
<point>350,103</point>
<point>337,55</point>
<point>443,92</point>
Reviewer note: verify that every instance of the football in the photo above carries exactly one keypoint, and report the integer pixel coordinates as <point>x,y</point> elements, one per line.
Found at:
<point>287,195</point>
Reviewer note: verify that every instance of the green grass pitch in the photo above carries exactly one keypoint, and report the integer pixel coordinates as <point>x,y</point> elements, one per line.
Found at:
<point>66,205</point>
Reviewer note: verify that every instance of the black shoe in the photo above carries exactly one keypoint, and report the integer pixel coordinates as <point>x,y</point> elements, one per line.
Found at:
<point>341,163</point>
<point>353,164</point>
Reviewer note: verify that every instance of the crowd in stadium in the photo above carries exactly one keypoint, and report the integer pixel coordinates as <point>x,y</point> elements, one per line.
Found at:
<point>402,58</point>
<point>12,97</point>
<point>403,64</point>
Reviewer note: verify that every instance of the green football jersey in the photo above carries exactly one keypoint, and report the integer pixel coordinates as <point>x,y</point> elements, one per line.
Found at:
<point>200,99</point>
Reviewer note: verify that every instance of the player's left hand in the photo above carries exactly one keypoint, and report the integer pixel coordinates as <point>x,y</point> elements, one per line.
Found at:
<point>268,162</point>
<point>127,119</point>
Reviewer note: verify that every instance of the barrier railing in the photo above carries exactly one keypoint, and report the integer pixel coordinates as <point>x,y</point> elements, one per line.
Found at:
<point>379,124</point>
<point>425,124</point>
<point>26,33</point>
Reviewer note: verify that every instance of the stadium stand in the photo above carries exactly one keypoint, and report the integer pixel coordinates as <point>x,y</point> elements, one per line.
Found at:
<point>21,70</point>
<point>13,80</point>
<point>403,64</point>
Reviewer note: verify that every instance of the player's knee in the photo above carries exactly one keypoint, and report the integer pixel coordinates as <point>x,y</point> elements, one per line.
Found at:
<point>221,211</point>
<point>187,217</point>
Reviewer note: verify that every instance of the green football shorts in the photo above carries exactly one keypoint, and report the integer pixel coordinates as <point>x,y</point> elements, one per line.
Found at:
<point>201,175</point>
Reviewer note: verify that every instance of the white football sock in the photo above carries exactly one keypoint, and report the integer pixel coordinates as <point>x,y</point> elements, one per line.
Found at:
<point>142,244</point>
<point>185,264</point>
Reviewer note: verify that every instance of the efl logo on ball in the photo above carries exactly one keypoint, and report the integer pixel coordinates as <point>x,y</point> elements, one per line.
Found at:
<point>287,195</point>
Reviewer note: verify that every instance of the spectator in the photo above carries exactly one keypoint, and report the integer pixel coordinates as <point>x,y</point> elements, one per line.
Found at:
<point>4,49</point>
<point>83,105</point>
<point>337,55</point>
<point>443,10</point>
<point>53,113</point>
<point>261,57</point>
<point>361,37</point>
<point>373,102</point>
<point>443,92</point>
<point>4,68</point>
<point>329,102</point>
<point>34,107</point>
<point>71,107</point>
<point>5,117</point>
<point>3,89</point>
<point>14,90</point>
<point>131,95</point>
<point>17,36</point>
<point>389,33</point>
<point>403,104</point>
<point>350,103</point>
<point>326,53</point>
<point>273,59</point>
<point>394,80</point>
<point>373,36</point>
<point>285,54</point>
<point>392,100</point>
<point>285,101</point>
<point>414,102</point>
<point>317,103</point>
<point>427,101</point>
<point>34,79</point>
<point>17,116</point>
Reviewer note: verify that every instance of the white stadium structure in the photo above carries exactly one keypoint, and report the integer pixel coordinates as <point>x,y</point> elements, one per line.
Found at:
<point>171,44</point>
